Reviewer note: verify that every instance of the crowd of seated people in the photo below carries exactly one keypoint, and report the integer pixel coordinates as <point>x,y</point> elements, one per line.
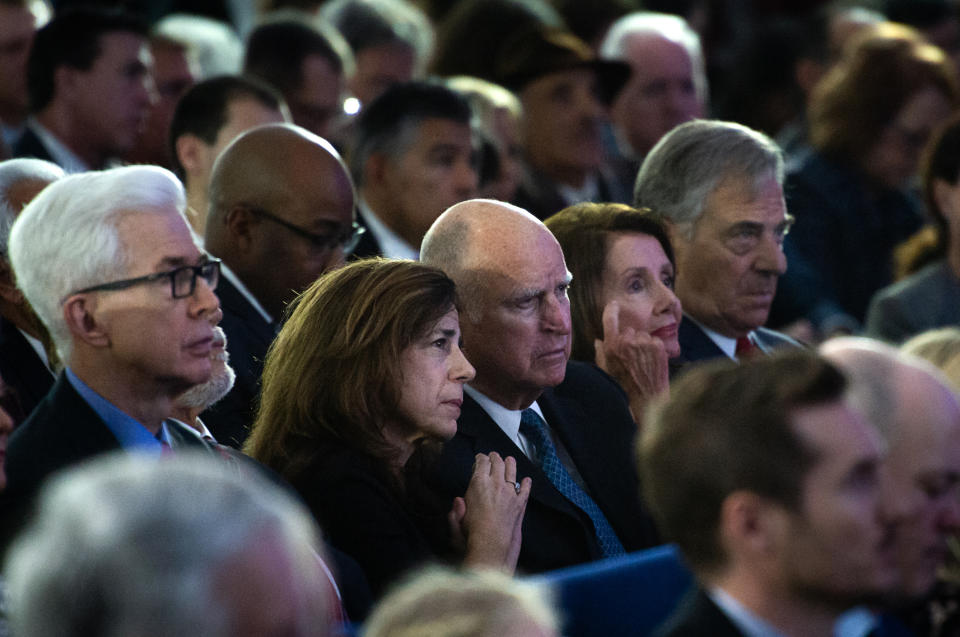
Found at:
<point>304,319</point>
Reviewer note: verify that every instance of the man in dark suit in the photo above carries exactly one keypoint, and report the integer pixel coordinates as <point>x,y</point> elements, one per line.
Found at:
<point>718,187</point>
<point>767,476</point>
<point>281,213</point>
<point>108,262</point>
<point>567,424</point>
<point>27,359</point>
<point>88,80</point>
<point>412,158</point>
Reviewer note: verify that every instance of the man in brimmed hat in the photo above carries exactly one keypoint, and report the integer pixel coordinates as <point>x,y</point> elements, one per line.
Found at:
<point>565,90</point>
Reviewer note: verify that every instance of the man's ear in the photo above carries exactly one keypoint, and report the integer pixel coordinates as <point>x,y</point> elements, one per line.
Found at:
<point>239,222</point>
<point>9,291</point>
<point>191,153</point>
<point>749,523</point>
<point>79,311</point>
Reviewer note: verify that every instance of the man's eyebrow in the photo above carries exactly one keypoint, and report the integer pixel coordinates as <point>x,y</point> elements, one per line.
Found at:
<point>169,263</point>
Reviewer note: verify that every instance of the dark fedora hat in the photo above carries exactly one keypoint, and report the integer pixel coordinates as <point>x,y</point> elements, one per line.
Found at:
<point>537,51</point>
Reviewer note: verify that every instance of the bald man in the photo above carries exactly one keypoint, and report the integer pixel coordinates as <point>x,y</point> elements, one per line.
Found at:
<point>567,423</point>
<point>918,414</point>
<point>280,214</point>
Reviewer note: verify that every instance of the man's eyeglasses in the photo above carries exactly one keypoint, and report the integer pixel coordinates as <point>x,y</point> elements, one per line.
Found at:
<point>183,280</point>
<point>347,239</point>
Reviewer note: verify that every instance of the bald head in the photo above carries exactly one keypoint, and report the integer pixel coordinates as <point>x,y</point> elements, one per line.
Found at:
<point>280,200</point>
<point>512,281</point>
<point>478,230</point>
<point>918,413</point>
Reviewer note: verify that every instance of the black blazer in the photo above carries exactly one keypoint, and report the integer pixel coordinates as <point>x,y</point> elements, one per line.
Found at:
<point>698,616</point>
<point>22,370</point>
<point>695,345</point>
<point>368,245</point>
<point>31,146</point>
<point>362,513</point>
<point>62,431</point>
<point>248,338</point>
<point>589,413</point>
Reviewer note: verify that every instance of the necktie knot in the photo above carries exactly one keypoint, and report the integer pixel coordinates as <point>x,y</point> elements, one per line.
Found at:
<point>745,347</point>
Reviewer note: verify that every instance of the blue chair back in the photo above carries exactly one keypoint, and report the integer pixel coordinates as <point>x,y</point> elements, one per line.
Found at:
<point>628,595</point>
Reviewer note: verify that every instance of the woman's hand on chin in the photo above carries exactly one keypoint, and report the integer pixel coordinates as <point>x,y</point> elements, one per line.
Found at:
<point>638,361</point>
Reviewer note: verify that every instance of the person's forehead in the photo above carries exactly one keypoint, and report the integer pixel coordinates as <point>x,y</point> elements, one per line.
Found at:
<point>928,434</point>
<point>651,52</point>
<point>837,433</point>
<point>440,131</point>
<point>15,23</point>
<point>521,262</point>
<point>151,238</point>
<point>737,198</point>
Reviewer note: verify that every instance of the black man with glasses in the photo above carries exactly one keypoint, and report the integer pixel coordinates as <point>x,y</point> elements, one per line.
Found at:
<point>108,262</point>
<point>281,214</point>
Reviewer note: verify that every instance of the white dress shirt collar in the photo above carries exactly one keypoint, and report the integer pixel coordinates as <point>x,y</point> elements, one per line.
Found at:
<point>391,245</point>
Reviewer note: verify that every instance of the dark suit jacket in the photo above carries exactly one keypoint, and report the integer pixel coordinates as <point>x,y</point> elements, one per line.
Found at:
<point>248,338</point>
<point>368,246</point>
<point>31,146</point>
<point>698,616</point>
<point>589,413</point>
<point>925,300</point>
<point>62,431</point>
<point>22,370</point>
<point>695,345</point>
<point>362,513</point>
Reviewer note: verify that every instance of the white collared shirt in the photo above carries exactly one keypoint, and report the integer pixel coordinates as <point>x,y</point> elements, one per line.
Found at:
<point>62,156</point>
<point>725,343</point>
<point>590,191</point>
<point>507,419</point>
<point>237,283</point>
<point>748,623</point>
<point>391,245</point>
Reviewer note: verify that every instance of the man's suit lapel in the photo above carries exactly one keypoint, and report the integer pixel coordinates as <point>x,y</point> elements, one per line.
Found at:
<point>587,451</point>
<point>30,145</point>
<point>487,436</point>
<point>695,345</point>
<point>85,434</point>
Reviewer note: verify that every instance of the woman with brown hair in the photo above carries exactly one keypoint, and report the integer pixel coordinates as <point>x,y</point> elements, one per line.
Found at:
<point>624,310</point>
<point>367,368</point>
<point>852,197</point>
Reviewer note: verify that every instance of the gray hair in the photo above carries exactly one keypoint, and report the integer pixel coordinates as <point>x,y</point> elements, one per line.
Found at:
<point>66,238</point>
<point>665,25</point>
<point>440,602</point>
<point>13,172</point>
<point>125,545</point>
<point>694,159</point>
<point>369,23</point>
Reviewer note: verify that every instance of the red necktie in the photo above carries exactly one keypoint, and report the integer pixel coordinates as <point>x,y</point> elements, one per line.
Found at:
<point>745,348</point>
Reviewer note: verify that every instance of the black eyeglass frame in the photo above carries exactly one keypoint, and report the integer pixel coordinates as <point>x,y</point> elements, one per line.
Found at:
<point>347,242</point>
<point>212,265</point>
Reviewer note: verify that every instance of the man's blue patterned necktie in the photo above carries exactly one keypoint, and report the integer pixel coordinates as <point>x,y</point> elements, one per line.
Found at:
<point>535,431</point>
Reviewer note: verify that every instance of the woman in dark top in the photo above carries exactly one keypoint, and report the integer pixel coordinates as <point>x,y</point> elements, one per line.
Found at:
<point>366,368</point>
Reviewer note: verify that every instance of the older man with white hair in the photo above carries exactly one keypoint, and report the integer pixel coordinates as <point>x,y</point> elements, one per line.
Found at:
<point>110,266</point>
<point>121,546</point>
<point>668,82</point>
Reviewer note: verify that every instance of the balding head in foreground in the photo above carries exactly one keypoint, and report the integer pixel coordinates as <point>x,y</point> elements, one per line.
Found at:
<point>915,409</point>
